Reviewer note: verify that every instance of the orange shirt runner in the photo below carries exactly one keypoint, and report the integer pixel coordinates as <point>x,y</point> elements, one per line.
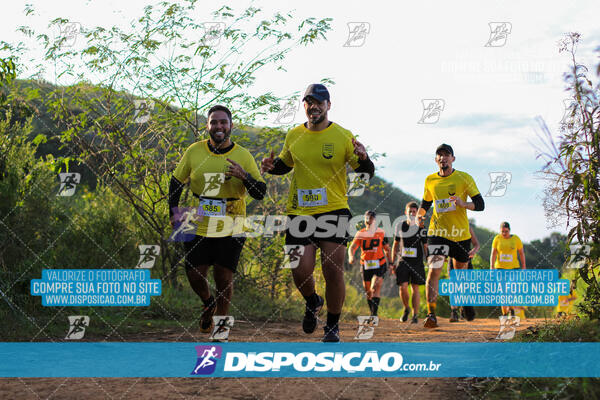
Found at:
<point>372,245</point>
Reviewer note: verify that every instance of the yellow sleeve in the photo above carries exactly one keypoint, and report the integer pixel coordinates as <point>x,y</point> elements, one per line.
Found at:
<point>251,167</point>
<point>518,242</point>
<point>351,158</point>
<point>471,186</point>
<point>182,172</point>
<point>427,196</point>
<point>286,155</point>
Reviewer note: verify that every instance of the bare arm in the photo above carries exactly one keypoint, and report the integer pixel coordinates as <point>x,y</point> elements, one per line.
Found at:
<point>522,256</point>
<point>493,258</point>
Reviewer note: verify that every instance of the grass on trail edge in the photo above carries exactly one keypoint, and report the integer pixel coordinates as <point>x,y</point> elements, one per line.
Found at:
<point>565,330</point>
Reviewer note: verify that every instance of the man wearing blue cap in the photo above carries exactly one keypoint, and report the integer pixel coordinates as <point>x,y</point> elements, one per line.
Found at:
<point>318,151</point>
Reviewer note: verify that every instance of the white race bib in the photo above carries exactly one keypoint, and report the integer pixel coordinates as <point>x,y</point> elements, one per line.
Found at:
<point>213,207</point>
<point>409,252</point>
<point>444,205</point>
<point>371,264</point>
<point>506,257</point>
<point>312,197</point>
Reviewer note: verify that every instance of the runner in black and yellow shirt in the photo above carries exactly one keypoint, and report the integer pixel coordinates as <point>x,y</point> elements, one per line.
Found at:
<point>448,234</point>
<point>318,152</point>
<point>505,248</point>
<point>220,173</point>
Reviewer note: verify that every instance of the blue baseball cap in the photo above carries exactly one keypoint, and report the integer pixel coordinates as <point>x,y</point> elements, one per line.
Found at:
<point>317,91</point>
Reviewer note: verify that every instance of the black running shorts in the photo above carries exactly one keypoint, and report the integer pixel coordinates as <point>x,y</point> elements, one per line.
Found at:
<point>368,274</point>
<point>222,251</point>
<point>442,246</point>
<point>331,226</point>
<point>413,273</point>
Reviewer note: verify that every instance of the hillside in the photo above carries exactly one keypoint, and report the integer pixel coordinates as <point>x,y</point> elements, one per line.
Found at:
<point>383,197</point>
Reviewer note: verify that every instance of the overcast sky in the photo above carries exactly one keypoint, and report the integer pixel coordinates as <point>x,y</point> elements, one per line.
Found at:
<point>411,52</point>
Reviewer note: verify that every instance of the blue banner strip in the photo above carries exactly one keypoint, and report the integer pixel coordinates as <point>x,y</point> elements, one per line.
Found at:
<point>295,359</point>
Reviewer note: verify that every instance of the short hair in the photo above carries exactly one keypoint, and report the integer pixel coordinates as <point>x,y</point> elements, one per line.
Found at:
<point>505,225</point>
<point>371,213</point>
<point>412,204</point>
<point>219,107</point>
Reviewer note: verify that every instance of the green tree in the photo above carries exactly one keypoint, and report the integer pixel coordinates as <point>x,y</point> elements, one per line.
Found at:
<point>571,170</point>
<point>177,68</point>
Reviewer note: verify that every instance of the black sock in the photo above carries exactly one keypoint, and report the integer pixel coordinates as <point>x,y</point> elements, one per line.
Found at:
<point>332,319</point>
<point>312,300</point>
<point>209,302</point>
<point>371,305</point>
<point>375,304</point>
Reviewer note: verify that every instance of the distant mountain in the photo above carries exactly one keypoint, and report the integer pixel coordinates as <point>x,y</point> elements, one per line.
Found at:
<point>385,198</point>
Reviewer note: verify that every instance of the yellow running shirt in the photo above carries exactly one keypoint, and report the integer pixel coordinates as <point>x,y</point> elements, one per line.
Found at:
<point>319,160</point>
<point>449,221</point>
<point>507,251</point>
<point>206,171</point>
<point>565,303</point>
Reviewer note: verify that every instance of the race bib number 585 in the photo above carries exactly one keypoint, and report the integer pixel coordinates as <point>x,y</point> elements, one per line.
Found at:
<point>213,208</point>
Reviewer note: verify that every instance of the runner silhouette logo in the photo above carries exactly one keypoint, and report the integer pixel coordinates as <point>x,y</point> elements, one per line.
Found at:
<point>207,359</point>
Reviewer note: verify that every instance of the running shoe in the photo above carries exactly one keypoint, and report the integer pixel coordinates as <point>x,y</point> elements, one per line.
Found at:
<point>469,313</point>
<point>454,315</point>
<point>332,335</point>
<point>206,321</point>
<point>309,323</point>
<point>405,315</point>
<point>430,321</point>
<point>414,320</point>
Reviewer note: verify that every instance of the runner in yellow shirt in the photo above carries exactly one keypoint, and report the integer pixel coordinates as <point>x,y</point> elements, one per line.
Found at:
<point>318,152</point>
<point>448,234</point>
<point>220,173</point>
<point>566,303</point>
<point>505,248</point>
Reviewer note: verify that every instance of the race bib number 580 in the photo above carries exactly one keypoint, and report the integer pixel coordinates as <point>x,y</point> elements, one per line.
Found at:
<point>312,197</point>
<point>444,205</point>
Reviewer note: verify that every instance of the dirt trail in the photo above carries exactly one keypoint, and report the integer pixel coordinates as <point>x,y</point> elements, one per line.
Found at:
<point>481,330</point>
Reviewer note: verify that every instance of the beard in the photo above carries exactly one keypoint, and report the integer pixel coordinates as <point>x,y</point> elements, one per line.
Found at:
<point>318,120</point>
<point>219,136</point>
